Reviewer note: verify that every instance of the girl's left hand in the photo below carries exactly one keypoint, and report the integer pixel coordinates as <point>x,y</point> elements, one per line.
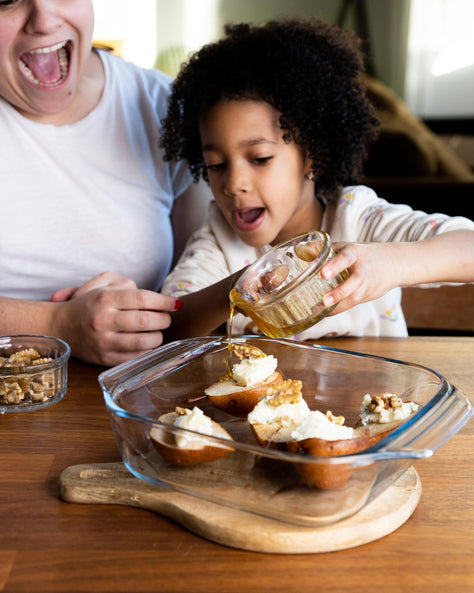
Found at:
<point>373,272</point>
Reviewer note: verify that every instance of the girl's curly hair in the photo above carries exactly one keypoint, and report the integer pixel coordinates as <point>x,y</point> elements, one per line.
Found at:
<point>309,71</point>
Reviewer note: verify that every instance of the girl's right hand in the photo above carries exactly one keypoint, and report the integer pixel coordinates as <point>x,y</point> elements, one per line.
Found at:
<point>372,272</point>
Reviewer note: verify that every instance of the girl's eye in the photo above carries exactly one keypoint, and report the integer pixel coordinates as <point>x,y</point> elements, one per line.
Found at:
<point>215,166</point>
<point>7,3</point>
<point>262,160</point>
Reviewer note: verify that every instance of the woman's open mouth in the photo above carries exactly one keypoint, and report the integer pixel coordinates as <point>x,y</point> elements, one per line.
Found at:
<point>250,219</point>
<point>47,66</point>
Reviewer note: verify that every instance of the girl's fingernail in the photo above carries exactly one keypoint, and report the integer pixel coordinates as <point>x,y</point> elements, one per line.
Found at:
<point>178,305</point>
<point>328,300</point>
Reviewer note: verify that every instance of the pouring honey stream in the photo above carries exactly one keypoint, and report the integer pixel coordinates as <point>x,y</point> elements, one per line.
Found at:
<point>282,292</point>
<point>228,366</point>
<point>254,350</point>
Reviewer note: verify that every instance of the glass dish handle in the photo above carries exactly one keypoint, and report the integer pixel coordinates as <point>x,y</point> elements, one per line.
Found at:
<point>436,426</point>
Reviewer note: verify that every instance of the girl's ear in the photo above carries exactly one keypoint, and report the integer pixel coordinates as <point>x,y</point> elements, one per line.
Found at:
<point>309,170</point>
<point>314,168</point>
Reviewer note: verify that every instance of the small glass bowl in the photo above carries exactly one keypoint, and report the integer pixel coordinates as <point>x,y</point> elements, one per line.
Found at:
<point>282,291</point>
<point>33,372</point>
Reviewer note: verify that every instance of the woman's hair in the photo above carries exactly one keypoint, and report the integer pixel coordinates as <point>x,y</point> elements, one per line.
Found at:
<point>307,70</point>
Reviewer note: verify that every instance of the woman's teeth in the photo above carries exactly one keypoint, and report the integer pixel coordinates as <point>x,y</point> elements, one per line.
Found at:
<point>51,70</point>
<point>47,50</point>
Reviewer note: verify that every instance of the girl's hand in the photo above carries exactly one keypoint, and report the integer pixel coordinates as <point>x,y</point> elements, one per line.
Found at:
<point>108,320</point>
<point>373,272</point>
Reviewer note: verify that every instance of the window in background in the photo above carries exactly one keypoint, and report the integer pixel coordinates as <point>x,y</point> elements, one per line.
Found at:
<point>200,22</point>
<point>440,67</point>
<point>183,27</point>
<point>129,27</point>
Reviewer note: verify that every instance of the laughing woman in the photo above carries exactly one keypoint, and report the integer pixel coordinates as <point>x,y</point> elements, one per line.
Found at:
<point>86,199</point>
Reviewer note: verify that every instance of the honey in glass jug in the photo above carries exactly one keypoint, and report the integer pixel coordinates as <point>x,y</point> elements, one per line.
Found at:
<point>282,291</point>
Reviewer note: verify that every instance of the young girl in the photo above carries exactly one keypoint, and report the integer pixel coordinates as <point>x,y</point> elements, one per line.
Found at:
<point>276,119</point>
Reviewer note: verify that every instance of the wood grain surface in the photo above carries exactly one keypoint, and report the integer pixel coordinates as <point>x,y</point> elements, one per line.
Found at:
<point>112,483</point>
<point>49,545</point>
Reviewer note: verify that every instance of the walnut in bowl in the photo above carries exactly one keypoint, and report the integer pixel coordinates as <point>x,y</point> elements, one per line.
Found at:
<point>33,372</point>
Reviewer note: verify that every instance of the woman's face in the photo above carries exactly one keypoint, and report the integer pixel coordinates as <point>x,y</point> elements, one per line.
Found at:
<point>45,47</point>
<point>256,177</point>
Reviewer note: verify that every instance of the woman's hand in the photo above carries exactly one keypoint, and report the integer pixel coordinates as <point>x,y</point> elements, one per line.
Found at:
<point>108,320</point>
<point>373,272</point>
<point>104,280</point>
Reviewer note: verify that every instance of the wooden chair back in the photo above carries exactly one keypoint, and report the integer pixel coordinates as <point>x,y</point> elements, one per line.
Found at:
<point>443,310</point>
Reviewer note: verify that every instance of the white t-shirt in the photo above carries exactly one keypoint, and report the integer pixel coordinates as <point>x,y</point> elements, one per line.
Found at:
<point>80,199</point>
<point>359,215</point>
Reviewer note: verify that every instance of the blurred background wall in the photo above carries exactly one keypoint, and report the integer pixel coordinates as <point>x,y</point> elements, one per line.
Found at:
<point>420,55</point>
<point>422,49</point>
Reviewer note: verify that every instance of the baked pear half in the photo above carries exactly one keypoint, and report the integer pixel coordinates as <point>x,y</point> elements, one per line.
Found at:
<point>277,413</point>
<point>239,393</point>
<point>327,475</point>
<point>183,447</point>
<point>239,400</point>
<point>382,414</point>
<point>314,436</point>
<point>325,435</point>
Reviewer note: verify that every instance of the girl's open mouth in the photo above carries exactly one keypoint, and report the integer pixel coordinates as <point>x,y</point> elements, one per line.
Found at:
<point>249,220</point>
<point>47,66</point>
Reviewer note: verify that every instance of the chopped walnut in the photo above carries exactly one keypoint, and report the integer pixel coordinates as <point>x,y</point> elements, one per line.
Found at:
<point>246,351</point>
<point>385,401</point>
<point>339,420</point>
<point>23,388</point>
<point>42,360</point>
<point>11,392</point>
<point>182,411</point>
<point>22,357</point>
<point>42,387</point>
<point>284,392</point>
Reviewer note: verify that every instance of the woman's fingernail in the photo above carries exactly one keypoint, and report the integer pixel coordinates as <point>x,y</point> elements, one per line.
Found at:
<point>178,305</point>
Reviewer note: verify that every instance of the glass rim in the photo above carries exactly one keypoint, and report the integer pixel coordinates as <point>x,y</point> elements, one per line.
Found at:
<point>282,291</point>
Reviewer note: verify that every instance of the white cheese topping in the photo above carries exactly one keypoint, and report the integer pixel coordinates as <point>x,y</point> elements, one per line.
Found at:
<point>265,413</point>
<point>315,424</point>
<point>197,421</point>
<point>282,418</point>
<point>252,371</point>
<point>384,415</point>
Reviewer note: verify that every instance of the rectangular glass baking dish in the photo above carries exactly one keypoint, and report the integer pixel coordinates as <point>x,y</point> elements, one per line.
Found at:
<point>264,480</point>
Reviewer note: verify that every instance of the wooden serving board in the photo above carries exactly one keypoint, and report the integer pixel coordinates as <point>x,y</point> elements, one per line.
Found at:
<point>112,483</point>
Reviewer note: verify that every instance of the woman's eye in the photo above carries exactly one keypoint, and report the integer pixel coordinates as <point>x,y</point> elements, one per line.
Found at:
<point>7,3</point>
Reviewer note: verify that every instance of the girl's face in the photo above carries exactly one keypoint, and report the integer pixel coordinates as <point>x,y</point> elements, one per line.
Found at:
<point>45,49</point>
<point>257,179</point>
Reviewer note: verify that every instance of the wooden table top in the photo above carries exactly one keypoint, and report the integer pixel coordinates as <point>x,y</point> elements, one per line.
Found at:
<point>47,544</point>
